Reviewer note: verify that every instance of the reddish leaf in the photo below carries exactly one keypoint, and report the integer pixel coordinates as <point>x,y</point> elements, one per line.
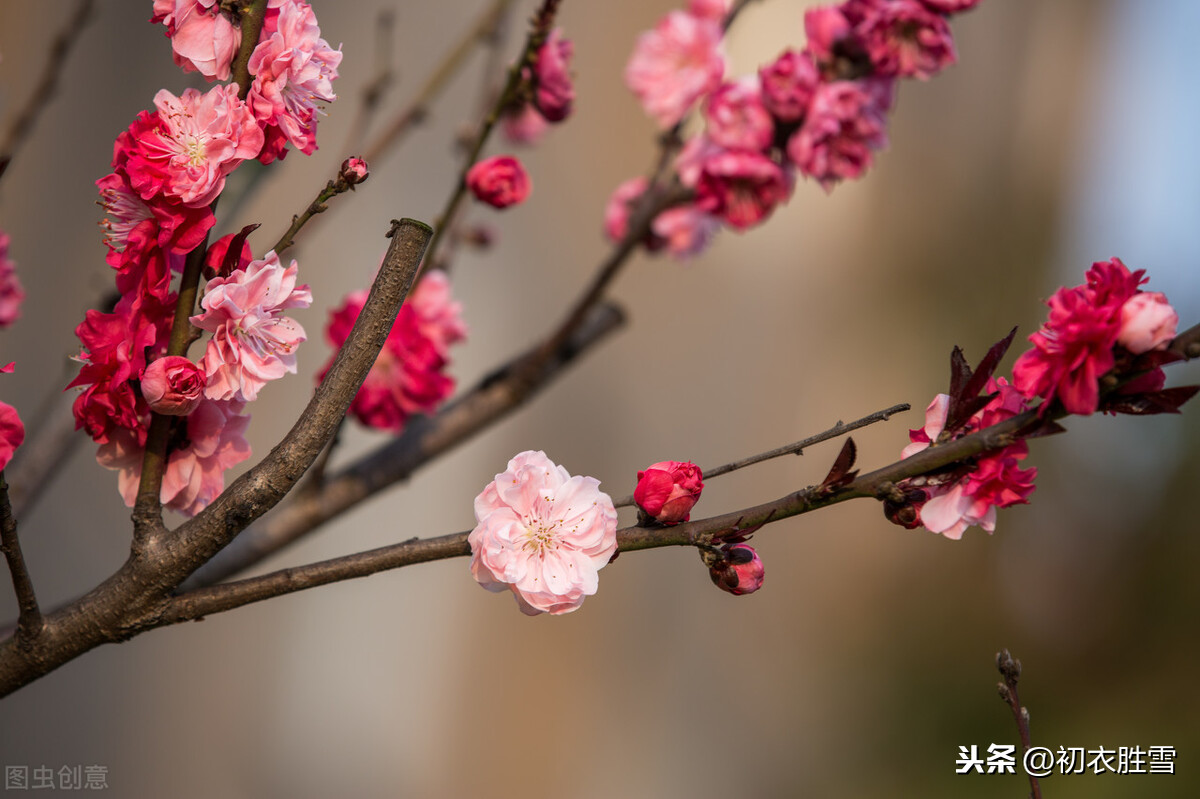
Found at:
<point>840,474</point>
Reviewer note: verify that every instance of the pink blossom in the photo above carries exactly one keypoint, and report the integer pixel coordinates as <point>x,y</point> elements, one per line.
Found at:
<point>407,377</point>
<point>499,181</point>
<point>950,6</point>
<point>676,64</point>
<point>1148,322</point>
<point>204,39</point>
<point>293,70</point>
<point>252,341</point>
<point>11,292</point>
<point>172,385</point>
<point>1073,349</point>
<point>905,39</point>
<point>714,10</point>
<point>542,534</point>
<point>554,93</point>
<point>12,430</point>
<point>185,149</point>
<point>523,125</point>
<point>741,187</point>
<point>176,226</point>
<point>788,84</point>
<point>935,422</point>
<point>844,125</point>
<point>739,571</point>
<point>736,117</point>
<point>195,475</point>
<point>667,491</point>
<point>685,230</point>
<point>828,31</point>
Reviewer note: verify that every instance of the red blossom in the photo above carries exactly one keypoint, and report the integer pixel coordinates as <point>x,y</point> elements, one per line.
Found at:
<point>499,181</point>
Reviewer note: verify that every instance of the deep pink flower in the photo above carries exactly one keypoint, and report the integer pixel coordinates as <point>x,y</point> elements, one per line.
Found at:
<point>1073,349</point>
<point>499,181</point>
<point>172,385</point>
<point>676,64</point>
<point>554,94</point>
<point>185,149</point>
<point>788,84</point>
<point>176,226</point>
<point>408,376</point>
<point>667,491</point>
<point>845,123</point>
<point>741,187</point>
<point>685,230</point>
<point>709,9</point>
<point>905,39</point>
<point>204,39</point>
<point>996,481</point>
<point>542,534</point>
<point>12,431</point>
<point>293,70</point>
<point>736,117</point>
<point>252,341</point>
<point>950,6</point>
<point>740,570</point>
<point>1148,322</point>
<point>11,292</point>
<point>195,474</point>
<point>827,32</point>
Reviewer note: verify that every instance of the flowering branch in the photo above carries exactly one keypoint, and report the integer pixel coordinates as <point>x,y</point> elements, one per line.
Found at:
<point>62,45</point>
<point>29,623</point>
<point>1010,670</point>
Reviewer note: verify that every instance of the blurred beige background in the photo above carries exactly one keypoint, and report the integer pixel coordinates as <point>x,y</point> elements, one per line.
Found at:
<point>1063,136</point>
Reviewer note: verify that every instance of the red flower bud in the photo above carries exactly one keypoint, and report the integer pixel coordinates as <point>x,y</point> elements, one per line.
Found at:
<point>667,491</point>
<point>738,571</point>
<point>173,385</point>
<point>499,181</point>
<point>354,171</point>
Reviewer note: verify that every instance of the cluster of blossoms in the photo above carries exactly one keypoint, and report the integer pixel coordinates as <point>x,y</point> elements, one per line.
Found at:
<point>168,168</point>
<point>1106,332</point>
<point>409,376</point>
<point>545,95</point>
<point>821,111</point>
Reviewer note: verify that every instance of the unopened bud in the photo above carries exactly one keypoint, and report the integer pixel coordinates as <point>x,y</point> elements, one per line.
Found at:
<point>739,570</point>
<point>354,171</point>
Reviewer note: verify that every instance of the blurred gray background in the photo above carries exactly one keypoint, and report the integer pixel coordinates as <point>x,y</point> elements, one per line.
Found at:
<point>1064,135</point>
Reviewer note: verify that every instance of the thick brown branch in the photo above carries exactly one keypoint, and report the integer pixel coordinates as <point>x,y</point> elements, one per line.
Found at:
<point>42,95</point>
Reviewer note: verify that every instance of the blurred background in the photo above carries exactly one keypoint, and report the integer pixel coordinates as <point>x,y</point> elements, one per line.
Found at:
<point>1063,136</point>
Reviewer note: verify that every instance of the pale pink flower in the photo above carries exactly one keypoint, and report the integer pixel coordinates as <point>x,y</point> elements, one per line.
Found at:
<point>676,64</point>
<point>252,341</point>
<point>788,84</point>
<point>185,150</point>
<point>204,39</point>
<point>685,230</point>
<point>523,125</point>
<point>542,534</point>
<point>554,93</point>
<point>1148,322</point>
<point>499,181</point>
<point>935,422</point>
<point>12,295</point>
<point>12,430</point>
<point>172,385</point>
<point>293,70</point>
<point>740,570</point>
<point>736,117</point>
<point>195,474</point>
<point>667,491</point>
<point>438,315</point>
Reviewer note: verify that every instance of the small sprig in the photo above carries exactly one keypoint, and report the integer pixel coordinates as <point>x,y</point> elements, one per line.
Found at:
<point>1010,670</point>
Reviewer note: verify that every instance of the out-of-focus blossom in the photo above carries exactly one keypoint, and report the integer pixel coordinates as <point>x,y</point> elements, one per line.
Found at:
<point>499,181</point>
<point>905,39</point>
<point>950,6</point>
<point>709,9</point>
<point>523,125</point>
<point>554,93</point>
<point>11,292</point>
<point>827,32</point>
<point>788,84</point>
<point>252,341</point>
<point>685,230</point>
<point>736,117</point>
<point>845,123</point>
<point>742,188</point>
<point>676,64</point>
<point>542,534</point>
<point>12,431</point>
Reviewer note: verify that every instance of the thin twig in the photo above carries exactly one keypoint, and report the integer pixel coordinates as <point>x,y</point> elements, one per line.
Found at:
<point>797,448</point>
<point>333,188</point>
<point>29,623</point>
<point>419,107</point>
<point>63,42</point>
<point>1010,670</point>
